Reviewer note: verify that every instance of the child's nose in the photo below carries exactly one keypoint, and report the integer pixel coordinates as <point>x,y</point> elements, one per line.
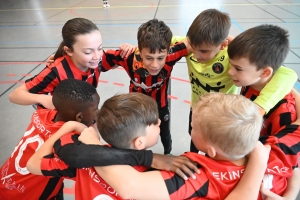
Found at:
<point>230,71</point>
<point>154,64</point>
<point>97,55</point>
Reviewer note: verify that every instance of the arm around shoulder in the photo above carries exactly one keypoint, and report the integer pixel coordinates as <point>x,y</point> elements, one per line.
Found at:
<point>248,186</point>
<point>188,46</point>
<point>22,96</point>
<point>280,85</point>
<point>176,39</point>
<point>34,163</point>
<point>138,185</point>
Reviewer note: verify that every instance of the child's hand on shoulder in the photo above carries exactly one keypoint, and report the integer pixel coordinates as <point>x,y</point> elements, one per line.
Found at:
<point>126,50</point>
<point>89,136</point>
<point>181,165</point>
<point>50,59</point>
<point>188,45</point>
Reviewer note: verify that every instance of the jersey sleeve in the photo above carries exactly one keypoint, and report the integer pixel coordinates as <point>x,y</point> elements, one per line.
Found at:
<point>43,83</point>
<point>178,188</point>
<point>79,155</point>
<point>280,85</point>
<point>177,39</point>
<point>111,58</point>
<point>52,166</point>
<point>176,52</point>
<point>287,139</point>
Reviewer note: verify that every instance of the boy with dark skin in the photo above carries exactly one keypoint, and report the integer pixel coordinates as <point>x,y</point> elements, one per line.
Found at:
<point>74,100</point>
<point>117,122</point>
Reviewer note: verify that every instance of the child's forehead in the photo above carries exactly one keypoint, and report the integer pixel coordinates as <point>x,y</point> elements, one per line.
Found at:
<point>242,62</point>
<point>92,38</point>
<point>95,100</point>
<point>161,52</point>
<point>205,46</point>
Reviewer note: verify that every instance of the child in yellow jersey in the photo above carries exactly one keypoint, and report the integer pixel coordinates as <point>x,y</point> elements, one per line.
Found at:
<point>208,64</point>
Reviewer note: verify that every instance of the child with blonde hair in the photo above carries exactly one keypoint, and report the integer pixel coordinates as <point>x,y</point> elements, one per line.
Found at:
<point>227,132</point>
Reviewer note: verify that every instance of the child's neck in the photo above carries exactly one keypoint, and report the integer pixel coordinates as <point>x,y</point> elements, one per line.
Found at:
<point>259,85</point>
<point>239,162</point>
<point>58,118</point>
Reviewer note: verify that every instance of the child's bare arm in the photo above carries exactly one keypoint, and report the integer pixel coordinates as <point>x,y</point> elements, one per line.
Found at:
<point>90,136</point>
<point>291,191</point>
<point>22,96</point>
<point>33,164</point>
<point>293,186</point>
<point>178,164</point>
<point>151,184</point>
<point>138,185</point>
<point>248,186</point>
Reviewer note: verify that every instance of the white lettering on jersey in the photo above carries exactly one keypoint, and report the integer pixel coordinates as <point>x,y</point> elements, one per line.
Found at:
<point>103,197</point>
<point>8,181</point>
<point>268,183</point>
<point>28,138</point>
<point>145,87</point>
<point>277,170</point>
<point>96,178</point>
<point>38,124</point>
<point>232,175</point>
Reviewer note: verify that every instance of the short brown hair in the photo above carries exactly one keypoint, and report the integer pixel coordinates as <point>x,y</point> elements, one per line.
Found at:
<point>210,27</point>
<point>264,45</point>
<point>154,35</point>
<point>230,122</point>
<point>124,117</point>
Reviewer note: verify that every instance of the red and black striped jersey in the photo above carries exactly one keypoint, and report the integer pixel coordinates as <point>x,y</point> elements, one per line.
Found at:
<point>79,155</point>
<point>288,140</point>
<point>61,69</point>
<point>140,79</point>
<point>218,178</point>
<point>16,181</point>
<point>283,113</point>
<point>52,166</point>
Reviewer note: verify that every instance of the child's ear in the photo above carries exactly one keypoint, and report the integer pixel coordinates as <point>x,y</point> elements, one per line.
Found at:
<point>68,51</point>
<point>211,151</point>
<point>139,143</point>
<point>79,117</point>
<point>266,72</point>
<point>224,44</point>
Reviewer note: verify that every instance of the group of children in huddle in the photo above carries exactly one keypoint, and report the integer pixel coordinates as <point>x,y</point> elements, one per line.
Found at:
<point>60,141</point>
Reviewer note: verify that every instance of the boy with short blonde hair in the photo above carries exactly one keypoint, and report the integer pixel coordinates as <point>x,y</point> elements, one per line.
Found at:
<point>222,169</point>
<point>122,112</point>
<point>241,125</point>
